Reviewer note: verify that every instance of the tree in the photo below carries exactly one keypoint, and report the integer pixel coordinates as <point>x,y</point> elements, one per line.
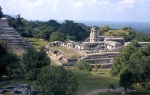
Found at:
<point>111,86</point>
<point>57,36</point>
<point>147,86</point>
<point>140,36</point>
<point>95,67</point>
<point>126,32</point>
<point>127,79</point>
<point>3,48</point>
<point>2,54</point>
<point>1,13</point>
<point>33,61</point>
<point>83,65</point>
<point>132,65</point>
<point>8,63</point>
<point>57,81</point>
<point>110,33</point>
<point>53,23</point>
<point>20,24</point>
<point>7,60</point>
<point>75,31</point>
<point>104,29</point>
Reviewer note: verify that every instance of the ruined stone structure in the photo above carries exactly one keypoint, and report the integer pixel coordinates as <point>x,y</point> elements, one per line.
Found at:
<point>97,49</point>
<point>96,43</point>
<point>15,42</point>
<point>143,44</point>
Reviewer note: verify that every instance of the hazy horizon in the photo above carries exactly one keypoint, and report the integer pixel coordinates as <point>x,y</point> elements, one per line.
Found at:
<point>79,10</point>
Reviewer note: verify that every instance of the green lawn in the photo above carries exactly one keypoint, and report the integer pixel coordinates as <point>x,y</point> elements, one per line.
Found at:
<point>109,93</point>
<point>129,93</point>
<point>90,81</point>
<point>68,53</point>
<point>37,43</point>
<point>52,63</point>
<point>62,61</point>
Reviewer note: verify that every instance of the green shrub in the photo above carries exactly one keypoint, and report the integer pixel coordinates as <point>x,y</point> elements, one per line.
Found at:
<point>83,65</point>
<point>147,87</point>
<point>111,86</point>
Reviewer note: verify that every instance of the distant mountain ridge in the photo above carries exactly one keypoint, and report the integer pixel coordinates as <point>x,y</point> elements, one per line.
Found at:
<point>137,26</point>
<point>14,16</point>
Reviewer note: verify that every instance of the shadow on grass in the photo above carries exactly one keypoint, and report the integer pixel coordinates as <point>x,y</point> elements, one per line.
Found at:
<point>109,93</point>
<point>35,44</point>
<point>30,41</point>
<point>101,73</point>
<point>129,93</point>
<point>139,93</point>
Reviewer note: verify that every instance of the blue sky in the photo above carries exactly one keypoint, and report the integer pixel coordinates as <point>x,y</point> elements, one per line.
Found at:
<point>79,10</point>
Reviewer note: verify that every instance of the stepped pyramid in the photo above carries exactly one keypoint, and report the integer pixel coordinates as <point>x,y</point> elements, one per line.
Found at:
<point>15,42</point>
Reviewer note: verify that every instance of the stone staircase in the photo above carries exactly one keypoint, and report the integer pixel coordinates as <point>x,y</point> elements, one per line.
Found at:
<point>103,61</point>
<point>15,42</point>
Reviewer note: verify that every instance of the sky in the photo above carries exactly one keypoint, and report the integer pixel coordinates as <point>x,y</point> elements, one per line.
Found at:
<point>79,10</point>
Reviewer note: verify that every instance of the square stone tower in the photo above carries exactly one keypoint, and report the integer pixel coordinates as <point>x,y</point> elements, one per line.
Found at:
<point>94,35</point>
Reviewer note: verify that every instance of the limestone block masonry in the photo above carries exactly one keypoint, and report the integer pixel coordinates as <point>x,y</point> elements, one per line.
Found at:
<point>97,49</point>
<point>15,42</point>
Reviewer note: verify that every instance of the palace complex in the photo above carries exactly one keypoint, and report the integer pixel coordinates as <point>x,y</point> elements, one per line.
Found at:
<point>96,49</point>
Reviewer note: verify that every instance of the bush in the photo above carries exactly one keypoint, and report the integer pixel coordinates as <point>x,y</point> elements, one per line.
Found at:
<point>56,80</point>
<point>83,65</point>
<point>111,86</point>
<point>147,87</point>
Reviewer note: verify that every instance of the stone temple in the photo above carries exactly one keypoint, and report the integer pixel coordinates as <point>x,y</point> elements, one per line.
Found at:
<point>15,42</point>
<point>96,49</point>
<point>95,43</point>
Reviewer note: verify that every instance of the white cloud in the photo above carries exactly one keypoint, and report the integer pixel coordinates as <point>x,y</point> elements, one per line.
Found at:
<point>129,1</point>
<point>105,2</point>
<point>142,1</point>
<point>132,4</point>
<point>93,1</point>
<point>125,4</point>
<point>38,3</point>
<point>1,1</point>
<point>78,4</point>
<point>76,9</point>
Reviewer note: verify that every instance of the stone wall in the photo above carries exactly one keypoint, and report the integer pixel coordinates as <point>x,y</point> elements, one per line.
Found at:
<point>70,62</point>
<point>143,44</point>
<point>104,61</point>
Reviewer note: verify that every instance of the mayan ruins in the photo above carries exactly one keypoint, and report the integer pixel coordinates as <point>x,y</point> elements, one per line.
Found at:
<point>15,42</point>
<point>96,49</point>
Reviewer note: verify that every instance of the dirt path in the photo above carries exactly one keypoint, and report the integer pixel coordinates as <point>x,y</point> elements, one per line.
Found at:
<point>104,90</point>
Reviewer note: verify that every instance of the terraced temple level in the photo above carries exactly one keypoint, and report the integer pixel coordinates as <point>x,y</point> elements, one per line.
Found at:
<point>15,42</point>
